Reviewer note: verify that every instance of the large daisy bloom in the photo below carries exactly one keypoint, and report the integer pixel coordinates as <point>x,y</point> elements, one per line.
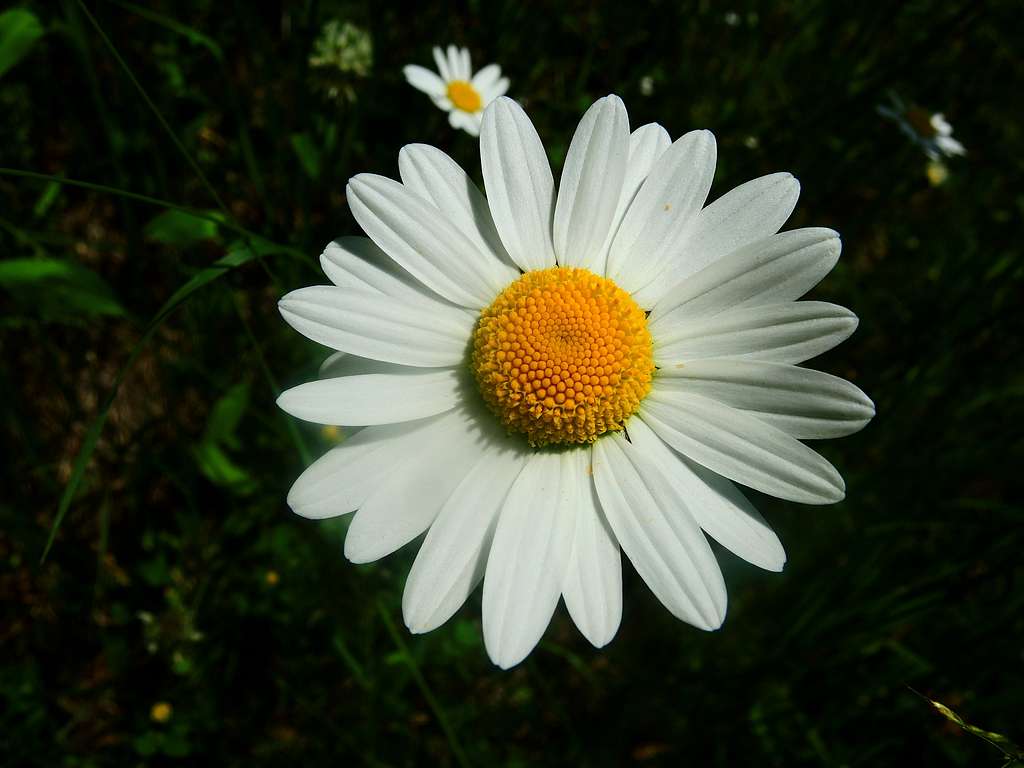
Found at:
<point>544,378</point>
<point>455,89</point>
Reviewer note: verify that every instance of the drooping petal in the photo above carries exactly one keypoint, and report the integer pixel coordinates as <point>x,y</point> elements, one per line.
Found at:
<point>339,481</point>
<point>741,447</point>
<point>423,79</point>
<point>591,183</point>
<point>453,556</point>
<point>778,333</point>
<point>804,403</point>
<point>529,556</point>
<point>415,234</point>
<point>663,211</point>
<point>434,176</point>
<point>593,582</point>
<point>375,398</point>
<point>380,327</point>
<point>400,509</point>
<point>715,503</point>
<point>664,543</point>
<point>519,184</point>
<point>779,268</point>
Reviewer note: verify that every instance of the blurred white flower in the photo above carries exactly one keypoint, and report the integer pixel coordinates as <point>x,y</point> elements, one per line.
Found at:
<point>944,136</point>
<point>634,348</point>
<point>732,19</point>
<point>930,131</point>
<point>646,85</point>
<point>457,91</point>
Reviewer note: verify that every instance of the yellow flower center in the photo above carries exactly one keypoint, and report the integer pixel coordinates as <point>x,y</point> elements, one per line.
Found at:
<point>563,356</point>
<point>464,96</point>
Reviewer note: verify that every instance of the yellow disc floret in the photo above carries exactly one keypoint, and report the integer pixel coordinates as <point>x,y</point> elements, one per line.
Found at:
<point>464,96</point>
<point>563,356</point>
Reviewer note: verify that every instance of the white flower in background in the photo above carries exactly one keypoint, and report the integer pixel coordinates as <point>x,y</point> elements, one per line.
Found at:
<point>646,85</point>
<point>545,376</point>
<point>943,136</point>
<point>457,91</point>
<point>930,131</point>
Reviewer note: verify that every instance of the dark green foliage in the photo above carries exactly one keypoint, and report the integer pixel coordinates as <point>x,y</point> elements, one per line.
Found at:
<point>178,575</point>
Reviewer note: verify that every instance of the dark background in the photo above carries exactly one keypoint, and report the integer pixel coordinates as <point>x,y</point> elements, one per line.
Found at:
<point>178,576</point>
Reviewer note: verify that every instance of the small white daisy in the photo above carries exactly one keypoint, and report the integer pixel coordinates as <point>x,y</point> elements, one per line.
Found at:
<point>457,91</point>
<point>943,136</point>
<point>544,377</point>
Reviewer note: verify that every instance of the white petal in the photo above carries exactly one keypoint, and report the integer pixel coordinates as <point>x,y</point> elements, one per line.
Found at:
<point>750,212</point>
<point>380,327</point>
<point>357,262</point>
<point>472,126</point>
<point>646,145</point>
<point>434,176</point>
<point>593,582</point>
<point>664,544</point>
<point>455,64</point>
<point>529,555</point>
<point>741,447</point>
<point>343,364</point>
<point>339,481</point>
<point>591,183</point>
<point>500,88</point>
<point>453,557</point>
<point>424,80</point>
<point>714,502</point>
<point>415,234</point>
<point>663,211</point>
<point>465,64</point>
<point>442,65</point>
<point>950,146</point>
<point>779,268</point>
<point>374,398</point>
<point>518,183</point>
<point>804,403</point>
<point>780,333</point>
<point>486,78</point>
<point>402,507</point>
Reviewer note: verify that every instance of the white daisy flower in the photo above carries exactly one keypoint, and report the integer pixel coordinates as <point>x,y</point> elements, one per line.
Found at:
<point>546,377</point>
<point>457,91</point>
<point>943,136</point>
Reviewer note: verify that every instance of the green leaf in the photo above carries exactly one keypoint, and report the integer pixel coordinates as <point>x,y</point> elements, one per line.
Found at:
<point>211,452</point>
<point>19,31</point>
<point>226,414</point>
<point>57,289</point>
<point>308,154</point>
<point>181,228</point>
<point>46,199</point>
<point>220,469</point>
